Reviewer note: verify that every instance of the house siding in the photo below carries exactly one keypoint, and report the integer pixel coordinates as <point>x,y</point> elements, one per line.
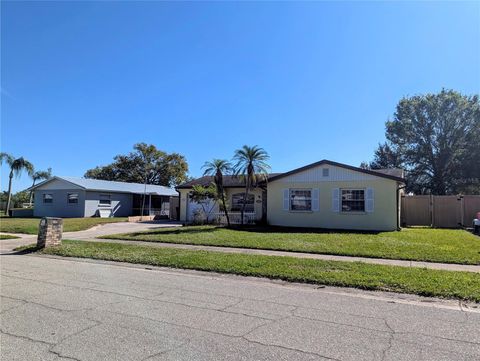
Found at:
<point>60,206</point>
<point>335,174</point>
<point>383,217</point>
<point>121,203</point>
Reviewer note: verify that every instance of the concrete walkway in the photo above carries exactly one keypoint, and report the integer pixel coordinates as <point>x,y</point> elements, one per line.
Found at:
<point>325,257</point>
<point>6,246</point>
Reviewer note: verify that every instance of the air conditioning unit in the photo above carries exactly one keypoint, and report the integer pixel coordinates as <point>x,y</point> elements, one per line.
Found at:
<point>105,213</point>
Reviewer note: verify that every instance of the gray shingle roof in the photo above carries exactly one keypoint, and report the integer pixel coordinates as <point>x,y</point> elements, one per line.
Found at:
<point>229,181</point>
<point>396,172</point>
<point>122,187</point>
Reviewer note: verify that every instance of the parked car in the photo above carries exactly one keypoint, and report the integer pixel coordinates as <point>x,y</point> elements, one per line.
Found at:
<point>476,224</point>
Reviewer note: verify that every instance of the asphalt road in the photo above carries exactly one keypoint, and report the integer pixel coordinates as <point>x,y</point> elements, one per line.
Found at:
<point>64,309</point>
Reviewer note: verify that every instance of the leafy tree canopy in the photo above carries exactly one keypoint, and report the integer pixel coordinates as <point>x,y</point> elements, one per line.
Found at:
<point>436,139</point>
<point>17,199</point>
<point>145,164</point>
<point>201,193</point>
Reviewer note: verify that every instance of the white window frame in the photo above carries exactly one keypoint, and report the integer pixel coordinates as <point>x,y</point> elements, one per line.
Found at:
<point>290,193</point>
<point>109,204</point>
<point>353,189</point>
<point>68,198</point>
<point>44,196</point>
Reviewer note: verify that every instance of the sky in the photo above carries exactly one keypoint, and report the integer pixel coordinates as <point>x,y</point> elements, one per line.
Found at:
<point>83,81</point>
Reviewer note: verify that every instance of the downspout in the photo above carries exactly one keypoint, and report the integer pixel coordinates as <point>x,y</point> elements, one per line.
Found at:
<point>398,205</point>
<point>179,203</point>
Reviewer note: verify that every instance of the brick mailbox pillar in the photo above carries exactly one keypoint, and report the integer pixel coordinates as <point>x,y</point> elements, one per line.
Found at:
<point>50,232</point>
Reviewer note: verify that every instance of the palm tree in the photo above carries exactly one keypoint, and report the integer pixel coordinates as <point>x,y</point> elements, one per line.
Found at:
<point>217,168</point>
<point>16,167</point>
<point>251,165</point>
<point>39,175</point>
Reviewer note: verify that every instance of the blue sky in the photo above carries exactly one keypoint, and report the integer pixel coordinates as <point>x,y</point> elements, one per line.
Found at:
<point>84,81</point>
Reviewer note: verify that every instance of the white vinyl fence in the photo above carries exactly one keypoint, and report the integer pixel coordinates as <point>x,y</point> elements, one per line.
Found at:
<point>235,218</point>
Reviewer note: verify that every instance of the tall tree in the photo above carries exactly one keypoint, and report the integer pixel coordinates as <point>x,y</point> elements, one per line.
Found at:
<point>251,164</point>
<point>145,163</point>
<point>218,168</point>
<point>17,166</point>
<point>436,139</point>
<point>386,157</point>
<point>37,176</point>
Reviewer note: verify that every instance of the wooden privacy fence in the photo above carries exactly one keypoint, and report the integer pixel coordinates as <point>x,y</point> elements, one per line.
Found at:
<point>439,211</point>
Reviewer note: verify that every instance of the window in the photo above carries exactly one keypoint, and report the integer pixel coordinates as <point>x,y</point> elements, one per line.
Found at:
<point>72,198</point>
<point>237,202</point>
<point>105,200</point>
<point>47,198</point>
<point>300,199</point>
<point>353,200</point>
<point>325,172</point>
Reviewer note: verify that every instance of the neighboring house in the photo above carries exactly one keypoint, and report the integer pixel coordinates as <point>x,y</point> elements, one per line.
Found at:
<point>324,194</point>
<point>80,197</point>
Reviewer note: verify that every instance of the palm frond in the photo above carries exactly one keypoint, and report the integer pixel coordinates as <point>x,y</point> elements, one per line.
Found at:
<point>217,165</point>
<point>21,164</point>
<point>7,158</point>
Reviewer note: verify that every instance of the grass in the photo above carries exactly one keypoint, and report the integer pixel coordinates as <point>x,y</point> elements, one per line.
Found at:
<point>425,282</point>
<point>7,236</point>
<point>419,244</point>
<point>30,225</point>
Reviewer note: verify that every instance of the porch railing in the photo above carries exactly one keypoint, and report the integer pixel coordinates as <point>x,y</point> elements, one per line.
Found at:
<point>152,211</point>
<point>159,212</point>
<point>235,217</point>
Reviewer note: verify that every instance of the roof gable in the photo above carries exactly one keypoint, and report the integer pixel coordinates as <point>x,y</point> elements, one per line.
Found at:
<point>56,183</point>
<point>337,172</point>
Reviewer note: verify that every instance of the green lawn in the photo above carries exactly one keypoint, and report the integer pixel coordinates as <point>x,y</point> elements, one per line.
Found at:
<point>7,236</point>
<point>420,244</point>
<point>30,225</point>
<point>426,282</point>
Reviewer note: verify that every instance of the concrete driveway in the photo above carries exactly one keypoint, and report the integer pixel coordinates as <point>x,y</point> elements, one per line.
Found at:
<point>6,246</point>
<point>55,309</point>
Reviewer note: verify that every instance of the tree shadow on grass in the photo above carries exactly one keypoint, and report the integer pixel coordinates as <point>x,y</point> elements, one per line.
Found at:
<point>248,228</point>
<point>279,229</point>
<point>178,230</point>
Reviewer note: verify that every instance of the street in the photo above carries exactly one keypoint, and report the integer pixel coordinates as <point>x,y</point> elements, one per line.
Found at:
<point>55,309</point>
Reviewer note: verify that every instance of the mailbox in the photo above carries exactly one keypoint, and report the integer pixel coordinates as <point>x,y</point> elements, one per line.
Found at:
<point>50,232</point>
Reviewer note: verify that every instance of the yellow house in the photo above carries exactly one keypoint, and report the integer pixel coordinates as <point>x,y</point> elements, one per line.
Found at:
<point>324,194</point>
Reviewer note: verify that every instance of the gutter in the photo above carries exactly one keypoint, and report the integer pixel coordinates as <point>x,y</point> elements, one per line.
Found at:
<point>398,205</point>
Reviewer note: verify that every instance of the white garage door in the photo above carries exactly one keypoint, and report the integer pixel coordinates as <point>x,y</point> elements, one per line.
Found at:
<point>193,206</point>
